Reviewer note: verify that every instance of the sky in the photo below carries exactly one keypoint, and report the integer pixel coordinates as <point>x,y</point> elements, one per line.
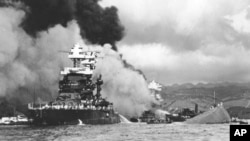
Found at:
<point>180,41</point>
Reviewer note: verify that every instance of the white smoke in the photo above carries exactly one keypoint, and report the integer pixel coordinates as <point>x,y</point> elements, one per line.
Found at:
<point>32,64</point>
<point>126,88</point>
<point>187,41</point>
<point>161,114</point>
<point>28,64</point>
<point>160,62</point>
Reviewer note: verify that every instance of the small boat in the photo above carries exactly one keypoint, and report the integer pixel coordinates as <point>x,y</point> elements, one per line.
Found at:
<point>18,120</point>
<point>243,122</point>
<point>158,121</point>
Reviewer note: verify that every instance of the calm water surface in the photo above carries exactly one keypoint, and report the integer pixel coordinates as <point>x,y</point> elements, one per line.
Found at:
<point>118,132</point>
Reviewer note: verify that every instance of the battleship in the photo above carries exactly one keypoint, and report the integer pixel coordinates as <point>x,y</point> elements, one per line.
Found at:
<point>76,101</point>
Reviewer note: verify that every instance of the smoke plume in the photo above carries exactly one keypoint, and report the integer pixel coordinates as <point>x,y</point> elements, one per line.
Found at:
<point>187,41</point>
<point>126,88</point>
<point>98,25</point>
<point>42,14</point>
<point>29,65</point>
<point>32,36</point>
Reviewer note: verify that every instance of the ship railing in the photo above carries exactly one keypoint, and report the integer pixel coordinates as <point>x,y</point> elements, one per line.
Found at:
<point>32,106</point>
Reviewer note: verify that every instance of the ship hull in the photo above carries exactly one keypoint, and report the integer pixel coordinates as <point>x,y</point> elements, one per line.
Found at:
<point>215,115</point>
<point>61,117</point>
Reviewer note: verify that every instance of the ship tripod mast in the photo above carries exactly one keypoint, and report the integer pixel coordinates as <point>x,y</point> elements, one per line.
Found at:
<point>99,82</point>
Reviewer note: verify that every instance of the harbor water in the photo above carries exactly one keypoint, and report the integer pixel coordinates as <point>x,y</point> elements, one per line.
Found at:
<point>118,132</point>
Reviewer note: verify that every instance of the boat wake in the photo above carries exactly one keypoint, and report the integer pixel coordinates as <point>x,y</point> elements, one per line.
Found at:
<point>124,119</point>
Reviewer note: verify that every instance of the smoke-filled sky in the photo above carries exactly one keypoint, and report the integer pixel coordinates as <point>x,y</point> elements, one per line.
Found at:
<point>33,32</point>
<point>186,40</point>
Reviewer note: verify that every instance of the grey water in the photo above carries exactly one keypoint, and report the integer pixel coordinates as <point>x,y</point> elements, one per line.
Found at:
<point>118,132</point>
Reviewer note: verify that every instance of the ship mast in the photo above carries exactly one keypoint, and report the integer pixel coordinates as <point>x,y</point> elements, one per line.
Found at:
<point>34,95</point>
<point>214,98</point>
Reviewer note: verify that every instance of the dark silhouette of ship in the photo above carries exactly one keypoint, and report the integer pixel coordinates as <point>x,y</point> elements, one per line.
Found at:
<point>76,102</point>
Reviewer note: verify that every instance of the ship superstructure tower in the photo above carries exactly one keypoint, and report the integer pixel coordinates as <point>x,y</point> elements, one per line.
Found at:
<point>76,99</point>
<point>77,79</point>
<point>84,60</point>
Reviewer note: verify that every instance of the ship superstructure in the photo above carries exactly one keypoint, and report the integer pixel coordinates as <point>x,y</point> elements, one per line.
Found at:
<point>76,100</point>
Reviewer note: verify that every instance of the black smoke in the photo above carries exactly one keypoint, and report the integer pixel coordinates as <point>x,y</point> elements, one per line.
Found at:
<point>98,25</point>
<point>29,68</point>
<point>43,14</point>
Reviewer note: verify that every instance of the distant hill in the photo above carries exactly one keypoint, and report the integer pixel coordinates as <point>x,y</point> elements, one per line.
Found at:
<point>240,112</point>
<point>186,95</point>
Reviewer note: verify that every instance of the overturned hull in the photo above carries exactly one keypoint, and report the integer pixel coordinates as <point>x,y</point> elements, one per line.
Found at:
<point>213,116</point>
<point>57,117</point>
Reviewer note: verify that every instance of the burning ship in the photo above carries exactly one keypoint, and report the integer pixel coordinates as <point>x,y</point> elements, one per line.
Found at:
<point>76,101</point>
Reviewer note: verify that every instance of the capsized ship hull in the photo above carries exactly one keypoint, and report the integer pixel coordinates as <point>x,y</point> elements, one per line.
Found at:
<point>213,116</point>
<point>71,116</point>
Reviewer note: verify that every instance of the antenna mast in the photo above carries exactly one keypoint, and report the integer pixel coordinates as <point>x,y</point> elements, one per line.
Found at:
<point>214,97</point>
